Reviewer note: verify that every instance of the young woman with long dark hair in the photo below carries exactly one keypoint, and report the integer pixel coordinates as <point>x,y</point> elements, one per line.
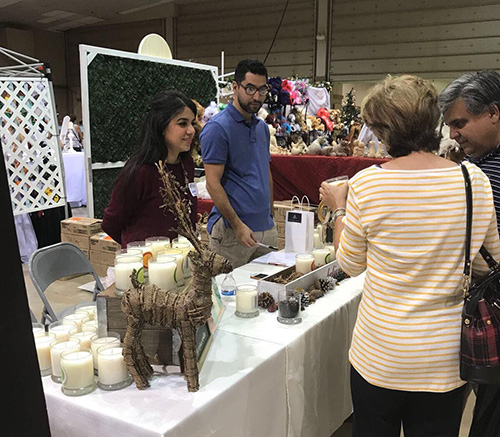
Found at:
<point>134,212</point>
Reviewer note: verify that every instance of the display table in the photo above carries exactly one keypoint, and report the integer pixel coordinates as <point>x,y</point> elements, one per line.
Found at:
<point>260,378</point>
<point>74,176</point>
<point>302,175</point>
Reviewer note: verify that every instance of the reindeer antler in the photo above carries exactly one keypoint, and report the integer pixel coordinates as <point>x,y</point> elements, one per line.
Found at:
<point>177,206</point>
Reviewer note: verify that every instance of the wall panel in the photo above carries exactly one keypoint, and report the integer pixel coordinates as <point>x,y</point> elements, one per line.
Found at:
<point>433,39</point>
<point>245,30</point>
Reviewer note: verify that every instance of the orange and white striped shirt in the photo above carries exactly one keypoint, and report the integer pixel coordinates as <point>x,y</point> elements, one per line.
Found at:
<point>407,229</point>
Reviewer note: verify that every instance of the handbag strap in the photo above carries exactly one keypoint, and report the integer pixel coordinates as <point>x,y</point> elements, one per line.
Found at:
<point>492,264</point>
<point>468,229</point>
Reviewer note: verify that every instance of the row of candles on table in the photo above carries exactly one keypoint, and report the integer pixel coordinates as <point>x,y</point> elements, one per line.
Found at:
<point>164,263</point>
<point>72,352</point>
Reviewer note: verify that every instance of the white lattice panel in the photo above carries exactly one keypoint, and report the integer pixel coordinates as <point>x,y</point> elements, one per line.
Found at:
<point>30,144</point>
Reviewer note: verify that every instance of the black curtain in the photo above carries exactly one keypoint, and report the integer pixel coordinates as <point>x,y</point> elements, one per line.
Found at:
<point>23,411</point>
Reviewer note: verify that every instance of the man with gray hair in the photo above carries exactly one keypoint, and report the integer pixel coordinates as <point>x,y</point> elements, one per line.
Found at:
<point>471,108</point>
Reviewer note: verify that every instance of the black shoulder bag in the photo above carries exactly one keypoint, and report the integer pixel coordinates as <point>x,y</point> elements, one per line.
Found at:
<point>480,337</point>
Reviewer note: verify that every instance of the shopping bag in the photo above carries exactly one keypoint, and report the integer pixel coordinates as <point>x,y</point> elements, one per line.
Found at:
<point>299,228</point>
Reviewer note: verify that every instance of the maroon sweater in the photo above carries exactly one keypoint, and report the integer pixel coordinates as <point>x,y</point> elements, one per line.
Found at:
<point>134,212</point>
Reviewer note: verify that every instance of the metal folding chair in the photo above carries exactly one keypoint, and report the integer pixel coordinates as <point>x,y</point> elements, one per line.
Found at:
<point>51,263</point>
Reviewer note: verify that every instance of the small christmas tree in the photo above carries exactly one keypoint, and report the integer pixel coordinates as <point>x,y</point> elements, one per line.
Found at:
<point>349,112</point>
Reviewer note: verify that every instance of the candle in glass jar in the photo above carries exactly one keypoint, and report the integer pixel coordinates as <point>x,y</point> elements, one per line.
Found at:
<point>89,307</point>
<point>321,257</point>
<point>112,367</point>
<point>124,265</point>
<point>42,343</point>
<point>76,318</point>
<point>86,333</point>
<point>61,329</point>
<point>317,240</point>
<point>157,244</point>
<point>57,347</point>
<point>331,248</point>
<point>38,329</point>
<point>145,248</point>
<point>77,371</point>
<point>162,272</point>
<point>304,262</point>
<point>96,342</point>
<point>186,248</point>
<point>246,301</point>
<point>179,260</point>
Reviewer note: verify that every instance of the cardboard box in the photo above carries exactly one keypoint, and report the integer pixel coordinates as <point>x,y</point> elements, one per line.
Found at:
<point>100,269</point>
<point>81,226</point>
<point>82,241</point>
<point>106,258</point>
<point>281,207</point>
<point>305,281</point>
<point>103,243</point>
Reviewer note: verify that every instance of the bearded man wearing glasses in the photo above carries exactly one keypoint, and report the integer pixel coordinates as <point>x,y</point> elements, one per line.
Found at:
<point>235,152</point>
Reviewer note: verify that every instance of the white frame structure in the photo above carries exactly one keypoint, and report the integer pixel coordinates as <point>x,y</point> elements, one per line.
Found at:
<point>87,55</point>
<point>29,135</point>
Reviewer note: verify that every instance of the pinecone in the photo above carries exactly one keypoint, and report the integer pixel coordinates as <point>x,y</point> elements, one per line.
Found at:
<point>265,300</point>
<point>327,284</point>
<point>305,300</point>
<point>272,308</point>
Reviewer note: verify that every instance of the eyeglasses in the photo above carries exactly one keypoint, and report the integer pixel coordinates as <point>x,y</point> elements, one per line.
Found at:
<point>251,89</point>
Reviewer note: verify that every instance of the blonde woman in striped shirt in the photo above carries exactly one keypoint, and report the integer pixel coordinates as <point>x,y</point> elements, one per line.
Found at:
<point>405,225</point>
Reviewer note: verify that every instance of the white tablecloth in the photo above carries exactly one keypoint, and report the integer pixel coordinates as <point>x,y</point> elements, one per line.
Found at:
<point>261,378</point>
<point>74,169</point>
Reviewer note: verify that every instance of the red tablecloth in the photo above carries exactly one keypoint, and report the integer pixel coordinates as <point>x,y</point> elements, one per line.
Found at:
<point>302,175</point>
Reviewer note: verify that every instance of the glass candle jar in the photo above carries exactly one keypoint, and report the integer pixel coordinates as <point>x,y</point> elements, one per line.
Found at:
<point>162,272</point>
<point>289,307</point>
<point>185,246</point>
<point>77,372</point>
<point>42,343</point>
<point>84,335</point>
<point>124,265</point>
<point>38,328</point>
<point>304,262</point>
<point>112,373</point>
<point>61,329</point>
<point>57,347</point>
<point>145,248</point>
<point>76,318</point>
<point>88,307</point>
<point>331,248</point>
<point>317,240</point>
<point>96,342</point>
<point>321,257</point>
<point>179,260</point>
<point>246,301</point>
<point>89,321</point>
<point>158,243</point>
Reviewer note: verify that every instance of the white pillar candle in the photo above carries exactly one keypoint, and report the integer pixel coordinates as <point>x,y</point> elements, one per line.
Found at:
<point>76,318</point>
<point>77,369</point>
<point>61,329</point>
<point>84,335</point>
<point>157,244</point>
<point>246,301</point>
<point>162,273</point>
<point>112,367</point>
<point>179,260</point>
<point>57,347</point>
<point>304,262</point>
<point>112,338</point>
<point>42,343</point>
<point>124,265</point>
<point>321,257</point>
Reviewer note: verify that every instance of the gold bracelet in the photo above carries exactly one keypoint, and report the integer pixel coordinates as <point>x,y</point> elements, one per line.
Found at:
<point>339,212</point>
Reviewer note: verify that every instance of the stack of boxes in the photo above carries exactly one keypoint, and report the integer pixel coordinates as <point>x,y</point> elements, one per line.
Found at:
<point>280,209</point>
<point>86,233</point>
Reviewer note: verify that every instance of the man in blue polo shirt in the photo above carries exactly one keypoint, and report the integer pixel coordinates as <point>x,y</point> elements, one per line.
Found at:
<point>235,152</point>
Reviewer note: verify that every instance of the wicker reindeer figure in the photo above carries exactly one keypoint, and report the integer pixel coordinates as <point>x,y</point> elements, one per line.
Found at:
<point>184,312</point>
